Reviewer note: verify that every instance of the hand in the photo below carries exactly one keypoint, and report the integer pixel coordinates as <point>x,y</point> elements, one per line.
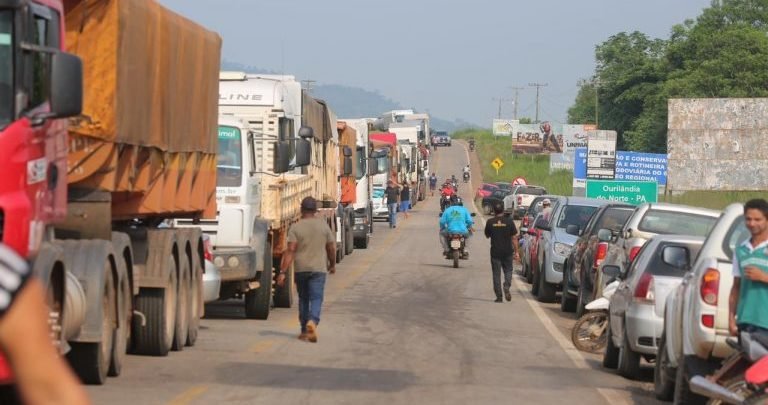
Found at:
<point>332,270</point>
<point>517,257</point>
<point>281,280</point>
<point>733,328</point>
<point>755,274</point>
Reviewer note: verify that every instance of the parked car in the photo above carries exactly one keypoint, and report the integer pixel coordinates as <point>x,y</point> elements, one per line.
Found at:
<point>657,219</point>
<point>556,243</point>
<point>211,274</point>
<point>588,252</point>
<point>380,209</point>
<point>442,139</point>
<point>485,190</point>
<point>521,198</point>
<point>636,310</point>
<point>527,220</point>
<point>496,197</point>
<point>696,313</point>
<point>530,247</point>
<point>504,185</point>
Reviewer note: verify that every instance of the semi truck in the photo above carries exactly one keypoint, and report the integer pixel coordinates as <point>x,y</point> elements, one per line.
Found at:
<point>387,155</point>
<point>277,145</point>
<point>363,172</point>
<point>89,201</point>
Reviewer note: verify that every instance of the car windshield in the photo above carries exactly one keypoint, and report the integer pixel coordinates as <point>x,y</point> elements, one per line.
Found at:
<point>677,223</point>
<point>6,67</point>
<point>531,191</point>
<point>229,165</point>
<point>577,215</point>
<point>378,192</point>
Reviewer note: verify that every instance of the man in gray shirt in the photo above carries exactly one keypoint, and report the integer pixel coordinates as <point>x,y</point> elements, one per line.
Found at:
<point>312,249</point>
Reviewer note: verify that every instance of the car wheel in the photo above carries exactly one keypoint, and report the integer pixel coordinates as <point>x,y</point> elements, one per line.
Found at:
<point>611,355</point>
<point>580,301</point>
<point>663,375</point>
<point>683,394</point>
<point>629,360</point>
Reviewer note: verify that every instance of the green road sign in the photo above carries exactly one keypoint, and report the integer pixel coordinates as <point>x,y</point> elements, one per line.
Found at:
<point>630,192</point>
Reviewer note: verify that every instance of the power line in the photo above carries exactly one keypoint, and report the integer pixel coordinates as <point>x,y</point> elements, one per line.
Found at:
<point>538,87</point>
<point>501,100</point>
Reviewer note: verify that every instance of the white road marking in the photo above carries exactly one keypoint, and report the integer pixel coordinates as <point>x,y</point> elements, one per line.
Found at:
<point>612,396</point>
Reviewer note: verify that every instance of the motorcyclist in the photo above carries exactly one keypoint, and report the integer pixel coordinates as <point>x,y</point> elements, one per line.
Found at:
<point>455,220</point>
<point>466,172</point>
<point>446,193</point>
<point>454,183</point>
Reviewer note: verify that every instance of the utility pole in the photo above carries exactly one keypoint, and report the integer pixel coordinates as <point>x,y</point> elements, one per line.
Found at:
<point>596,84</point>
<point>501,100</point>
<point>517,93</point>
<point>308,85</point>
<point>538,86</point>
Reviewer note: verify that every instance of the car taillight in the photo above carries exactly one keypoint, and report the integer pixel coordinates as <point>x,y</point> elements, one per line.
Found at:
<point>207,250</point>
<point>645,290</point>
<point>633,253</point>
<point>600,253</point>
<point>525,222</point>
<point>710,286</point>
<point>708,321</point>
<point>519,200</point>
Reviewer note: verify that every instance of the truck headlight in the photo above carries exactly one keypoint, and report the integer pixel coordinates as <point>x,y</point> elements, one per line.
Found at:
<point>562,249</point>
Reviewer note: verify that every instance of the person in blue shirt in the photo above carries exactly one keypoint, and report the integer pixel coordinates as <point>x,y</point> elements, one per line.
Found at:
<point>455,220</point>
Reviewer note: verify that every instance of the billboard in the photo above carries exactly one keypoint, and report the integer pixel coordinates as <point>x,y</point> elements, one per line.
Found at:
<point>630,166</point>
<point>601,155</point>
<point>504,127</point>
<point>575,136</point>
<point>561,161</point>
<point>538,138</point>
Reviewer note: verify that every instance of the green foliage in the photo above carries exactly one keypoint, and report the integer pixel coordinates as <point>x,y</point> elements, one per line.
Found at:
<point>583,109</point>
<point>526,120</point>
<point>723,53</point>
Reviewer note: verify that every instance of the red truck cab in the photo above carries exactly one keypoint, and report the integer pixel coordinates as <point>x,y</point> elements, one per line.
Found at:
<point>40,86</point>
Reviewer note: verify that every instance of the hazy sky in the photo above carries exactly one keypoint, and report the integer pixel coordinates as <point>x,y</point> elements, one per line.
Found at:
<point>449,57</point>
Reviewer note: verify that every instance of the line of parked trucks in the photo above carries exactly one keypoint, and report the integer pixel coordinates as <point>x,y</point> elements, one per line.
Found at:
<point>120,154</point>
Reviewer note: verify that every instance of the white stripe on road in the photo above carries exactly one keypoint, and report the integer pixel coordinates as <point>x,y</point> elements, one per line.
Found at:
<point>612,396</point>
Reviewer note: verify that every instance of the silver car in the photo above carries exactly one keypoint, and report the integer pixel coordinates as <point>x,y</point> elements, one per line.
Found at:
<point>380,209</point>
<point>211,274</point>
<point>636,309</point>
<point>556,242</point>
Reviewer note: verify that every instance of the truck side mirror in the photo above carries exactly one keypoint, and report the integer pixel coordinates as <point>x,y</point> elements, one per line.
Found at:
<point>347,169</point>
<point>347,151</point>
<point>66,85</point>
<point>282,157</point>
<point>303,152</point>
<point>373,166</point>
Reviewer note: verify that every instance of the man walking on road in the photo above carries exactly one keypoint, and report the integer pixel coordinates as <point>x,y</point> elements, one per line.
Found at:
<point>405,199</point>
<point>393,193</point>
<point>749,293</point>
<point>312,247</point>
<point>503,234</point>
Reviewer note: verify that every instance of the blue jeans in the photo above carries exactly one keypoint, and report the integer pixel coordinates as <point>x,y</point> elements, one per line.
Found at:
<point>310,286</point>
<point>392,213</point>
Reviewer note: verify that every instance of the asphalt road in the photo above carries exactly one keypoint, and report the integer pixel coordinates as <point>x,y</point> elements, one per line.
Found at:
<point>399,325</point>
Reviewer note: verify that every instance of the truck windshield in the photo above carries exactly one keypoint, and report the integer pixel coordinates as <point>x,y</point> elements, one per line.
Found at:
<point>229,160</point>
<point>6,67</point>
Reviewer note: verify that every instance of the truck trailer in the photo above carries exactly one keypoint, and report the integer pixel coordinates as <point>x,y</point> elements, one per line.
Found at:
<point>89,201</point>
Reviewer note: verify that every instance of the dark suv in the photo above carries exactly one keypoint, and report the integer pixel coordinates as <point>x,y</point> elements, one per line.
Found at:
<point>588,252</point>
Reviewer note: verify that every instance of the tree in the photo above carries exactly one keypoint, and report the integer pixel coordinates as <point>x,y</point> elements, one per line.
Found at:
<point>583,109</point>
<point>526,120</point>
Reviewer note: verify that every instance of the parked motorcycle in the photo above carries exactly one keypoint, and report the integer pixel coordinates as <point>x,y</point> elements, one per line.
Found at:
<point>590,333</point>
<point>466,177</point>
<point>743,376</point>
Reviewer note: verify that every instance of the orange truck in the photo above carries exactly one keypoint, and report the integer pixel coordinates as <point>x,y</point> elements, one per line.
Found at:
<point>93,207</point>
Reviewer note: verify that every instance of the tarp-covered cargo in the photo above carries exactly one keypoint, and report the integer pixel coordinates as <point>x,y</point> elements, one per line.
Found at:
<point>324,169</point>
<point>149,127</point>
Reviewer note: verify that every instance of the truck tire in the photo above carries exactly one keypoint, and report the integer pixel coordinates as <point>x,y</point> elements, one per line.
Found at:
<point>91,361</point>
<point>663,374</point>
<point>284,294</point>
<point>349,241</point>
<point>340,250</point>
<point>123,329</point>
<point>183,308</point>
<point>159,308</point>
<point>258,301</point>
<point>683,393</point>
<point>196,299</point>
<point>362,243</point>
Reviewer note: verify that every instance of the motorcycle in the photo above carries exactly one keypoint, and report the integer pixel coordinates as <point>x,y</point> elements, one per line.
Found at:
<point>466,177</point>
<point>590,333</point>
<point>743,376</point>
<point>456,249</point>
<point>471,146</point>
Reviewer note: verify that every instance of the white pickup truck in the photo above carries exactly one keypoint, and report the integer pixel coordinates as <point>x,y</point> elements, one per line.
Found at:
<point>696,313</point>
<point>521,198</point>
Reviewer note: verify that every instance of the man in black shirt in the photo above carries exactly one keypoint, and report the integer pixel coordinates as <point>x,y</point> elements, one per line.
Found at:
<point>502,231</point>
<point>393,193</point>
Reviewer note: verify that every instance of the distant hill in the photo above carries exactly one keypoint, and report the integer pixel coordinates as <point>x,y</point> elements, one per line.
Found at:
<point>355,102</point>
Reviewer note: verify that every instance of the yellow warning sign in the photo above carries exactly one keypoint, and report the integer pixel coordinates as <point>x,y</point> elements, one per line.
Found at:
<point>497,164</point>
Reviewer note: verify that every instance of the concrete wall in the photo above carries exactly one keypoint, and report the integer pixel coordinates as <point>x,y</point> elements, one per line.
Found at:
<point>718,144</point>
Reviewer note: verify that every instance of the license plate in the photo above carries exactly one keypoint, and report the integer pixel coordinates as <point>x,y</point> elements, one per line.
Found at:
<point>455,244</point>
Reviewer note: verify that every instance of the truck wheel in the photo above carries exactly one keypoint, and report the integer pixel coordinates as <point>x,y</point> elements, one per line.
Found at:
<point>340,251</point>
<point>547,292</point>
<point>349,242</point>
<point>195,302</point>
<point>629,361</point>
<point>258,301</point>
<point>159,308</point>
<point>122,331</point>
<point>683,394</point>
<point>363,242</point>
<point>91,360</point>
<point>611,355</point>
<point>284,294</point>
<point>663,375</point>
<point>181,327</point>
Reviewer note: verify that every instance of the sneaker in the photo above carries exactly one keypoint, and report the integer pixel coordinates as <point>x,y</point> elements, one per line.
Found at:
<point>312,332</point>
<point>507,294</point>
<point>499,300</point>
<point>303,337</point>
